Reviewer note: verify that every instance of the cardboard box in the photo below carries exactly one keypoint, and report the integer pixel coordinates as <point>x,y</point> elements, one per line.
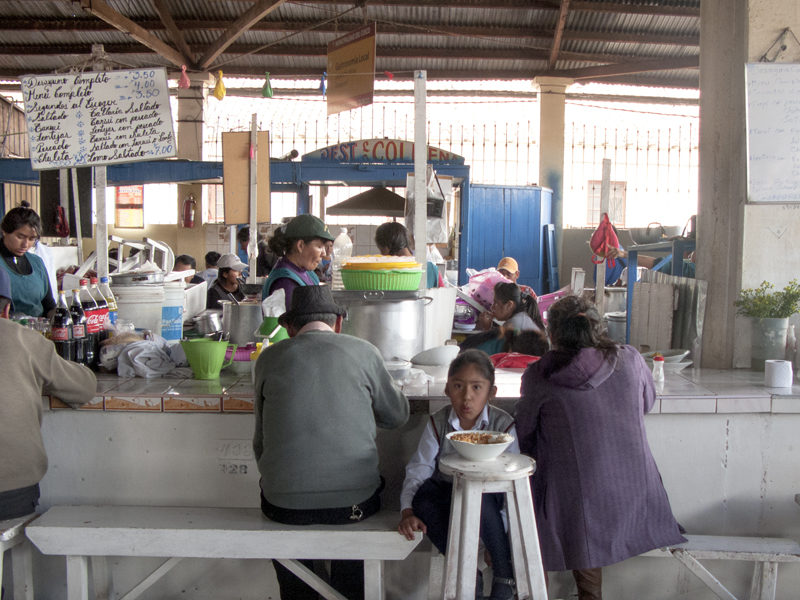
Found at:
<point>236,177</point>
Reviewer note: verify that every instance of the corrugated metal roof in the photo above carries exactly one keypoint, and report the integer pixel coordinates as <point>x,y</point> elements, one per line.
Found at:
<point>462,37</point>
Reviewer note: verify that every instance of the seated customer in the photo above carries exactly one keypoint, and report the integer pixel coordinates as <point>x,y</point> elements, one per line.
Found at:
<point>211,271</point>
<point>392,239</point>
<point>227,282</point>
<point>184,262</point>
<point>319,398</point>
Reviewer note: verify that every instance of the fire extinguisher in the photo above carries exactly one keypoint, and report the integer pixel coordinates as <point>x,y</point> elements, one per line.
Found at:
<point>189,206</point>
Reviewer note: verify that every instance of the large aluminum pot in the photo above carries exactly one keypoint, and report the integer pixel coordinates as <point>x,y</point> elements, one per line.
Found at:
<point>208,323</point>
<point>241,321</point>
<point>392,321</point>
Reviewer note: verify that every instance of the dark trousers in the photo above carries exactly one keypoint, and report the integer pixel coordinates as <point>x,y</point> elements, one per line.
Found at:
<point>19,502</point>
<point>347,576</point>
<point>590,583</point>
<point>431,505</point>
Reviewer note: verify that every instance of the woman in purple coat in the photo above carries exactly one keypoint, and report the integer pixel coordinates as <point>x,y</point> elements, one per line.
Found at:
<point>597,491</point>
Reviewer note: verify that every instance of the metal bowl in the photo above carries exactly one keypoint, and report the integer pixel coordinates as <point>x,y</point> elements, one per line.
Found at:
<point>250,289</point>
<point>653,233</point>
<point>208,323</point>
<point>134,278</point>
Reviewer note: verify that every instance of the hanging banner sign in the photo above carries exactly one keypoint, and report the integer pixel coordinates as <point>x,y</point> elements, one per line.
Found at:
<point>379,151</point>
<point>98,118</point>
<point>351,70</point>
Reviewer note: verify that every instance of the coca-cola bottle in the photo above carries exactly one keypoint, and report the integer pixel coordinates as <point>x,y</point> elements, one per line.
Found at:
<point>102,306</point>
<point>61,329</point>
<point>93,322</point>
<point>84,353</point>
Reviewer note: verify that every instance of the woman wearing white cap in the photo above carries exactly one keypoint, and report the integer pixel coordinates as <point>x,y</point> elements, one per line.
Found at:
<point>227,282</point>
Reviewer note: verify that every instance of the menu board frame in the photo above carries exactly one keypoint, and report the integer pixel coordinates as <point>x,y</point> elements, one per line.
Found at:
<point>98,118</point>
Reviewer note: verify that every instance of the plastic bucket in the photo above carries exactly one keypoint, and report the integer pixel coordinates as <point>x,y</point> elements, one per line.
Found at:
<point>141,304</point>
<point>172,312</point>
<point>270,327</point>
<point>206,357</point>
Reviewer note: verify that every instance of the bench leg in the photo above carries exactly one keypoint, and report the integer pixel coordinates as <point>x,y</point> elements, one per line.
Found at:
<point>309,577</point>
<point>765,580</point>
<point>101,574</point>
<point>22,568</point>
<point>691,563</point>
<point>141,587</point>
<point>373,580</point>
<point>436,576</point>
<point>77,578</point>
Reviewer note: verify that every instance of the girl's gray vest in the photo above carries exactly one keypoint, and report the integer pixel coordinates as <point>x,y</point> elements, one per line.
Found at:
<point>499,420</point>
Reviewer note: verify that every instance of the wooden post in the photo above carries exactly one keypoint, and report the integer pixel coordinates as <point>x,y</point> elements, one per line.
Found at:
<point>253,243</point>
<point>605,192</point>
<point>101,234</point>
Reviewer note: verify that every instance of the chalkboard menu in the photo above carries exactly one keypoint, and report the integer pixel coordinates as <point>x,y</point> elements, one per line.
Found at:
<point>98,118</point>
<point>773,132</point>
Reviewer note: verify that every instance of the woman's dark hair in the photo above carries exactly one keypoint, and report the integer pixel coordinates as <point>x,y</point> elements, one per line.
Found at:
<point>522,301</point>
<point>479,358</point>
<point>243,235</point>
<point>223,271</point>
<point>186,259</point>
<point>574,324</point>
<point>212,258</point>
<point>393,237</point>
<point>282,246</point>
<point>20,216</point>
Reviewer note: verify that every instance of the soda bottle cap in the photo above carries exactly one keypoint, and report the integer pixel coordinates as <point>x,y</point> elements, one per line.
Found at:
<point>75,291</point>
<point>104,280</point>
<point>84,282</point>
<point>658,359</point>
<point>93,280</point>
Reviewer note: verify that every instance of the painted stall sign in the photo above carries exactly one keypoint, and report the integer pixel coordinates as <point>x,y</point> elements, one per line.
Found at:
<point>379,151</point>
<point>351,70</point>
<point>98,118</point>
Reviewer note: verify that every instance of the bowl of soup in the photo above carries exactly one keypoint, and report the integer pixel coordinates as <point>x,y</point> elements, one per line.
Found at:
<point>480,446</point>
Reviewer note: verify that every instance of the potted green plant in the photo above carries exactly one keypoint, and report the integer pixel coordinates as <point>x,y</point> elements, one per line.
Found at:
<point>769,312</point>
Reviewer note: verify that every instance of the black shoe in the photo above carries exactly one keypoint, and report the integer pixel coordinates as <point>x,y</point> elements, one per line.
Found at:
<point>502,589</point>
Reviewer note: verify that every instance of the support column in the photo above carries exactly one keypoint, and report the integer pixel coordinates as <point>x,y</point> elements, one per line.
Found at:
<point>552,97</point>
<point>190,130</point>
<point>722,185</point>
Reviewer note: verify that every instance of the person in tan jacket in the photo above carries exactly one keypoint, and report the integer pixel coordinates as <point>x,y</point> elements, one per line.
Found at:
<point>29,368</point>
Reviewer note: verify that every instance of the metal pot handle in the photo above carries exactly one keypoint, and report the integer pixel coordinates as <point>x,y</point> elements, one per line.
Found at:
<point>373,295</point>
<point>429,300</point>
<point>663,231</point>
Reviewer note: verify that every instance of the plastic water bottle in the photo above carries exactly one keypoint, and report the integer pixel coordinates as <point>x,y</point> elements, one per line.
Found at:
<point>105,290</point>
<point>342,249</point>
<point>658,368</point>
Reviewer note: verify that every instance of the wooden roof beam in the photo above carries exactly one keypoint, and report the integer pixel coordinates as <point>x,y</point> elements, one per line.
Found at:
<point>628,68</point>
<point>560,25</point>
<point>103,11</point>
<point>174,33</point>
<point>252,15</point>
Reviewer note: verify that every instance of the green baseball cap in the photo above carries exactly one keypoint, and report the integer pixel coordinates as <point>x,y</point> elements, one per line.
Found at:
<point>303,226</point>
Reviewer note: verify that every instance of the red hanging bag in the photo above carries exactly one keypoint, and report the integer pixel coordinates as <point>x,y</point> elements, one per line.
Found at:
<point>603,238</point>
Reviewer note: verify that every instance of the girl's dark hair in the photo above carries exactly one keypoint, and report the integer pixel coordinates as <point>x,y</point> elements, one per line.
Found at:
<point>574,324</point>
<point>19,217</point>
<point>393,237</point>
<point>523,301</point>
<point>479,358</point>
<point>282,246</point>
<point>532,343</point>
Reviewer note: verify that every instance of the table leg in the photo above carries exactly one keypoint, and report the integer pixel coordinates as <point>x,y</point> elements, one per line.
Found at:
<point>453,543</point>
<point>517,553</point>
<point>373,580</point>
<point>77,578</point>
<point>470,524</point>
<point>530,539</point>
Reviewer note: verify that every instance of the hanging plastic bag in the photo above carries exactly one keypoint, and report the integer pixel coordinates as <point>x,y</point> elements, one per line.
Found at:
<point>184,82</point>
<point>219,89</point>
<point>603,238</point>
<point>266,91</point>
<point>481,286</point>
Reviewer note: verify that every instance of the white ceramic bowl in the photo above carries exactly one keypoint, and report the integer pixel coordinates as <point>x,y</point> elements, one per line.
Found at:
<point>481,452</point>
<point>438,372</point>
<point>670,356</point>
<point>670,367</point>
<point>438,356</point>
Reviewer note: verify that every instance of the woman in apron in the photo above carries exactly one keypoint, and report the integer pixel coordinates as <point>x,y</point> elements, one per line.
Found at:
<point>30,285</point>
<point>300,244</point>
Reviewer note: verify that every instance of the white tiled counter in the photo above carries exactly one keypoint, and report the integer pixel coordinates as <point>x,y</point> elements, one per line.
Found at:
<point>726,448</point>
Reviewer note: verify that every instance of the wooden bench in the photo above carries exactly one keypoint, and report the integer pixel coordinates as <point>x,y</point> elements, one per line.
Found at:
<point>12,537</point>
<point>80,532</point>
<point>765,552</point>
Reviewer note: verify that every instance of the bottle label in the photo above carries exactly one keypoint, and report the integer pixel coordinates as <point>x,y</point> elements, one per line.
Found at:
<point>112,315</point>
<point>78,331</point>
<point>59,334</point>
<point>93,322</point>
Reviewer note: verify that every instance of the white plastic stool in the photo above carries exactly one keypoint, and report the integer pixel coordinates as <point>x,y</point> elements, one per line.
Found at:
<point>12,537</point>
<point>509,474</point>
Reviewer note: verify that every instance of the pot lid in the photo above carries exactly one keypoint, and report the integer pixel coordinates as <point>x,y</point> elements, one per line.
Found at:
<point>377,202</point>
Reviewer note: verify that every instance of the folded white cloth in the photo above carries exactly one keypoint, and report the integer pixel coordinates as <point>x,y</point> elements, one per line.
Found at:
<point>147,359</point>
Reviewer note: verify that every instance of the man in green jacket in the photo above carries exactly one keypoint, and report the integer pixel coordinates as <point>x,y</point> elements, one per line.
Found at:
<point>319,399</point>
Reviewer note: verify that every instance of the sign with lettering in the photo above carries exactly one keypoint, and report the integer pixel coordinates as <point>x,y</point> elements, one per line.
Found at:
<point>379,151</point>
<point>351,70</point>
<point>98,118</point>
<point>773,132</point>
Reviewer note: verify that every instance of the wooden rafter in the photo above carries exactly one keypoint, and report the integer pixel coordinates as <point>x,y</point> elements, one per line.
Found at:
<point>174,33</point>
<point>628,68</point>
<point>560,25</point>
<point>103,11</point>
<point>253,14</point>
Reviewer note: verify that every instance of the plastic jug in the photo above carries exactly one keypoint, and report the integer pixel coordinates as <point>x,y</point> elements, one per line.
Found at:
<point>207,357</point>
<point>271,331</point>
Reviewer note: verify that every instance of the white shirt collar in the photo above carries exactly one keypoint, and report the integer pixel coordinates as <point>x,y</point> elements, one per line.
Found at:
<point>315,326</point>
<point>481,423</point>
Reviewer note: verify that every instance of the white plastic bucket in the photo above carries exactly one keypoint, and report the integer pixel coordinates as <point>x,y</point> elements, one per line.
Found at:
<point>172,311</point>
<point>140,304</point>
